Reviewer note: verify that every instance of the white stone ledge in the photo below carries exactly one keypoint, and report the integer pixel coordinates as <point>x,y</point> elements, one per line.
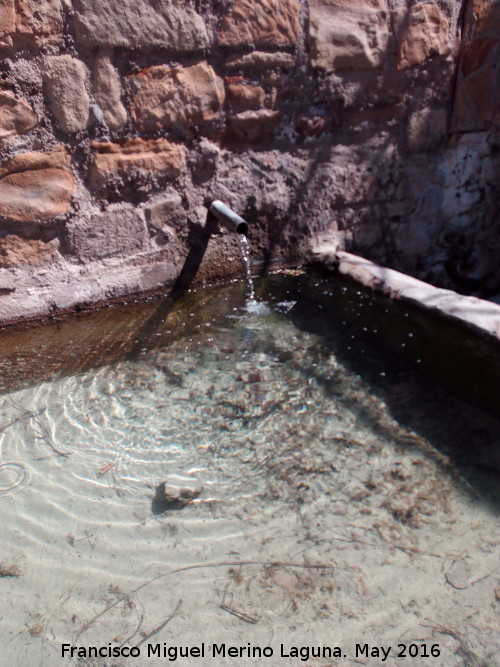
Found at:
<point>482,315</point>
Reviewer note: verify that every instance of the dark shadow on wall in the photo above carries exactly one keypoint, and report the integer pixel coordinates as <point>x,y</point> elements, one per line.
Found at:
<point>291,223</point>
<point>287,231</point>
<point>197,242</point>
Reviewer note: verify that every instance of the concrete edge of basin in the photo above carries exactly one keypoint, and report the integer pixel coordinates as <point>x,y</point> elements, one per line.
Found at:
<point>118,282</point>
<point>472,312</point>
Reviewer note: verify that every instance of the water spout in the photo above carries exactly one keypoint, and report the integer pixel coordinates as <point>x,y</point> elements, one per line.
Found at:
<point>226,216</point>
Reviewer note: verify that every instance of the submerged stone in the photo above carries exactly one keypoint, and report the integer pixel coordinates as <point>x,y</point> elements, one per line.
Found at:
<point>176,492</point>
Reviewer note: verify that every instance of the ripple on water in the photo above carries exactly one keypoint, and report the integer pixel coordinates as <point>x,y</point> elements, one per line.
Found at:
<point>15,476</point>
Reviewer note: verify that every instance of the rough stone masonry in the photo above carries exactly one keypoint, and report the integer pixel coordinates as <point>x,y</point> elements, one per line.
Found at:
<point>372,123</point>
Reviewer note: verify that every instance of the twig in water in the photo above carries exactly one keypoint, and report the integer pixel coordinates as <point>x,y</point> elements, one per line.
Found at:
<point>47,438</point>
<point>473,660</point>
<point>139,626</point>
<point>105,468</point>
<point>87,625</point>
<point>81,539</point>
<point>401,547</point>
<point>271,564</point>
<point>240,614</point>
<point>26,414</point>
<point>200,566</point>
<point>162,625</point>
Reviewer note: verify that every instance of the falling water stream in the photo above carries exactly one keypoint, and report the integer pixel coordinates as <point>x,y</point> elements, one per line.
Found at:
<point>245,252</point>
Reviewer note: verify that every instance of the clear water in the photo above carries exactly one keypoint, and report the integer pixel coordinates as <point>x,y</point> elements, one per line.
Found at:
<point>344,498</point>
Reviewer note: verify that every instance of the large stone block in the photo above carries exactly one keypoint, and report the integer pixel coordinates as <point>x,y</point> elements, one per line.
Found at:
<point>17,251</point>
<point>344,35</point>
<point>39,22</point>
<point>117,231</point>
<point>163,96</point>
<point>64,83</point>
<point>272,23</point>
<point>36,186</point>
<point>33,23</point>
<point>107,91</point>
<point>129,158</point>
<point>140,24</point>
<point>423,34</point>
<point>7,22</point>
<point>16,116</point>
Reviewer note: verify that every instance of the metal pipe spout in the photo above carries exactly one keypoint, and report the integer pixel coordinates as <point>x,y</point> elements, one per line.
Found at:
<point>227,217</point>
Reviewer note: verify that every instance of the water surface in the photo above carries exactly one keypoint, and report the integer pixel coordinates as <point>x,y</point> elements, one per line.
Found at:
<point>346,497</point>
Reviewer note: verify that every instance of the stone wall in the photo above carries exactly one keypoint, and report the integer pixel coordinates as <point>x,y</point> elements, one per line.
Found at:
<point>372,124</point>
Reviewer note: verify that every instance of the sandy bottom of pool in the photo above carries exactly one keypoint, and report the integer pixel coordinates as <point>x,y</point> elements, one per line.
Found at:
<point>324,526</point>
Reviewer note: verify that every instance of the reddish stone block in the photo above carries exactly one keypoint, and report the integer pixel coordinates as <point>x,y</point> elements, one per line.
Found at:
<point>425,35</point>
<point>131,157</point>
<point>39,22</point>
<point>36,186</point>
<point>244,98</point>
<point>346,35</point>
<point>272,23</point>
<point>16,117</point>
<point>16,251</point>
<point>163,96</point>
<point>7,22</point>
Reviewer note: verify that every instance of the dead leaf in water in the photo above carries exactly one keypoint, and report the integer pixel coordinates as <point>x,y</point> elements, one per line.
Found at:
<point>36,630</point>
<point>10,570</point>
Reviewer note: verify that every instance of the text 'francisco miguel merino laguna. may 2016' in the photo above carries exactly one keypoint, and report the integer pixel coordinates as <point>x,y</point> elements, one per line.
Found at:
<point>202,650</point>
